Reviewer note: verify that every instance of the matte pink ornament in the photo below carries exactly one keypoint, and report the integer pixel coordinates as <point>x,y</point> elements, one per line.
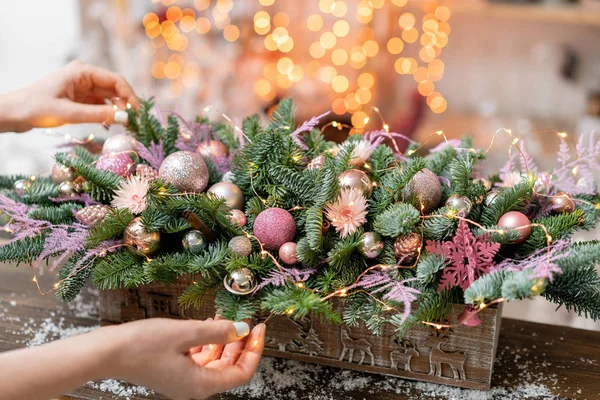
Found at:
<point>288,253</point>
<point>519,222</point>
<point>213,149</point>
<point>469,317</point>
<point>273,227</point>
<point>118,163</point>
<point>238,217</point>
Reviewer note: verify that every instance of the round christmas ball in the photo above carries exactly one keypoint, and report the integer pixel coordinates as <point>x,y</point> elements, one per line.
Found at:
<point>68,189</point>
<point>407,248</point>
<point>274,227</point>
<point>21,186</point>
<point>461,204</point>
<point>316,163</point>
<point>491,197</point>
<point>187,171</point>
<point>228,177</point>
<point>240,246</point>
<point>238,217</point>
<point>486,183</point>
<point>425,186</point>
<point>118,163</point>
<point>140,242</point>
<point>358,180</point>
<point>193,242</point>
<point>562,202</point>
<point>61,173</point>
<point>519,221</point>
<point>241,282</point>
<point>371,244</point>
<point>230,192</point>
<point>213,149</point>
<point>288,253</point>
<point>120,143</point>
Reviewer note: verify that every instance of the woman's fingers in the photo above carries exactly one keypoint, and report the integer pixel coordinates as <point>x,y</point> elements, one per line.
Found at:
<point>208,354</point>
<point>105,79</point>
<point>213,332</point>
<point>229,355</point>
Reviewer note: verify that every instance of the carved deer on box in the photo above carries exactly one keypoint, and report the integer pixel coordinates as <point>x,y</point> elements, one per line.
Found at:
<point>402,356</point>
<point>437,357</point>
<point>360,344</point>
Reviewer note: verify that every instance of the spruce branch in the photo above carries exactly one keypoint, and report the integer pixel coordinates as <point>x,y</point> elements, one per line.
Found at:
<point>397,220</point>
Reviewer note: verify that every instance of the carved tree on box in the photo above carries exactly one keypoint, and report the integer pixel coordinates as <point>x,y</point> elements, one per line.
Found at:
<point>313,345</point>
<point>294,339</point>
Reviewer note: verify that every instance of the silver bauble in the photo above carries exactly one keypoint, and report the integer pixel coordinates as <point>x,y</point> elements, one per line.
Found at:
<point>371,244</point>
<point>240,282</point>
<point>426,189</point>
<point>486,183</point>
<point>185,170</point>
<point>68,189</point>
<point>356,179</point>
<point>240,246</point>
<point>316,163</point>
<point>62,173</point>
<point>194,242</point>
<point>228,177</point>
<point>213,149</point>
<point>139,241</point>
<point>230,192</point>
<point>461,204</point>
<point>21,186</point>
<point>119,143</point>
<point>491,197</point>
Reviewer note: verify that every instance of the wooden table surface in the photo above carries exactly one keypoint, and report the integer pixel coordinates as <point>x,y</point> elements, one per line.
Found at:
<point>535,361</point>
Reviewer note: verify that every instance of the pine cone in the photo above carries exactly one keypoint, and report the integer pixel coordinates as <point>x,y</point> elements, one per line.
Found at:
<point>146,172</point>
<point>92,215</point>
<point>407,248</point>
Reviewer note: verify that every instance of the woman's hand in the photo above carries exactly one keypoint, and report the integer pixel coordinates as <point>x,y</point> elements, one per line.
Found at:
<point>75,94</point>
<point>187,359</point>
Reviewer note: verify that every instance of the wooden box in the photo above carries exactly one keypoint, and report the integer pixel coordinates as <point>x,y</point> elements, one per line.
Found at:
<point>460,356</point>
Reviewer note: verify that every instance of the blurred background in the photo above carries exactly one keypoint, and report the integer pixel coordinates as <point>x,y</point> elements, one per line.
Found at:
<point>417,67</point>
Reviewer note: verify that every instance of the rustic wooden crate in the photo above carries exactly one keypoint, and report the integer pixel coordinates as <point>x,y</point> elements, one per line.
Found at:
<point>461,356</point>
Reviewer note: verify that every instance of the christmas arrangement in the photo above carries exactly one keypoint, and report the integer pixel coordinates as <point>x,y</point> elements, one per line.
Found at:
<point>273,218</point>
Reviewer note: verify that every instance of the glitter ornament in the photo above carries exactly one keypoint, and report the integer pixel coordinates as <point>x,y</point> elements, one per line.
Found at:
<point>356,179</point>
<point>274,227</point>
<point>187,171</point>
<point>68,189</point>
<point>146,172</point>
<point>562,202</point>
<point>461,204</point>
<point>230,192</point>
<point>21,186</point>
<point>491,197</point>
<point>238,217</point>
<point>119,163</point>
<point>425,186</point>
<point>241,282</point>
<point>61,173</point>
<point>316,163</point>
<point>370,244</point>
<point>140,242</point>
<point>228,177</point>
<point>407,248</point>
<point>193,242</point>
<point>486,183</point>
<point>519,222</point>
<point>120,143</point>
<point>240,246</point>
<point>213,149</point>
<point>92,215</point>
<point>288,253</point>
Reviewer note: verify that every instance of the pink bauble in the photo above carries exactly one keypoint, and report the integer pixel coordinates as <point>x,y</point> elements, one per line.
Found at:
<point>288,253</point>
<point>518,221</point>
<point>469,317</point>
<point>213,149</point>
<point>274,227</point>
<point>118,163</point>
<point>238,217</point>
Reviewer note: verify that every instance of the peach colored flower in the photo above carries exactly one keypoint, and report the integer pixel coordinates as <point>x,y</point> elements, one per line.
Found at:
<point>348,212</point>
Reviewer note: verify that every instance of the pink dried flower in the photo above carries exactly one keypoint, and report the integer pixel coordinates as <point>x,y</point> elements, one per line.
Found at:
<point>348,212</point>
<point>362,152</point>
<point>132,194</point>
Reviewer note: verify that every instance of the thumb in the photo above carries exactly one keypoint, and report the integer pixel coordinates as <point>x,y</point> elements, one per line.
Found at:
<point>79,113</point>
<point>214,332</point>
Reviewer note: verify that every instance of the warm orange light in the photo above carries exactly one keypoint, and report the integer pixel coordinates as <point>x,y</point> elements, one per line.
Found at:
<point>363,95</point>
<point>270,71</point>
<point>328,40</point>
<point>352,103</point>
<point>202,25</point>
<point>262,87</point>
<point>201,4</point>
<point>395,45</point>
<point>312,68</point>
<point>266,3</point>
<point>339,57</point>
<point>327,74</point>
<point>339,9</point>
<point>405,65</point>
<point>359,118</point>
<point>314,22</point>
<point>316,50</point>
<point>370,48</point>
<point>187,23</point>
<point>174,13</point>
<point>172,70</point>
<point>297,73</point>
<point>340,83</point>
<point>443,13</point>
<point>426,88</point>
<point>285,65</point>
<point>427,54</point>
<point>421,75</point>
<point>365,80</point>
<point>407,21</point>
<point>338,106</point>
<point>270,43</point>
<point>168,29</point>
<point>150,17</point>
<point>341,28</point>
<point>326,5</point>
<point>410,36</point>
<point>439,105</point>
<point>153,29</point>
<point>231,33</point>
<point>281,19</point>
<point>224,5</point>
<point>280,35</point>
<point>158,70</point>
<point>399,3</point>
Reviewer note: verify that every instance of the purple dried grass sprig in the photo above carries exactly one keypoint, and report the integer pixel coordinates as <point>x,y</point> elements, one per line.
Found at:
<point>542,262</point>
<point>453,143</point>
<point>279,278</point>
<point>101,250</point>
<point>154,154</point>
<point>305,127</point>
<point>585,164</point>
<point>84,198</point>
<point>62,242</point>
<point>20,224</point>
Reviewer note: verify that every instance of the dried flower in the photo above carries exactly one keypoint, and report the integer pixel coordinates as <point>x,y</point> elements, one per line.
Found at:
<point>132,194</point>
<point>362,152</point>
<point>348,212</point>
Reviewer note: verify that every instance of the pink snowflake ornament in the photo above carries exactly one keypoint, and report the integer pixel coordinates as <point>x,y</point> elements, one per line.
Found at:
<point>467,257</point>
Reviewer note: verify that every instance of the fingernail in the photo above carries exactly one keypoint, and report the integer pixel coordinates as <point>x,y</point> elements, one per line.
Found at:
<point>241,329</point>
<point>121,117</point>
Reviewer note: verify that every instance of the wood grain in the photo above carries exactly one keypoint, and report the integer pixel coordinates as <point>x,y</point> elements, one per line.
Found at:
<point>565,360</point>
